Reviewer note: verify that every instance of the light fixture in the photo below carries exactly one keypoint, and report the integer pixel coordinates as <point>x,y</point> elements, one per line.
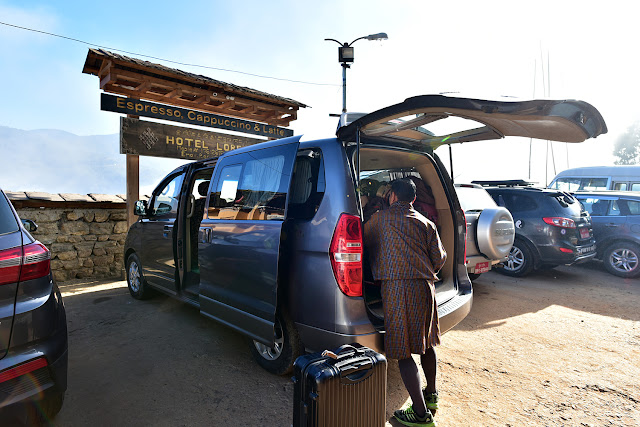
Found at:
<point>346,57</point>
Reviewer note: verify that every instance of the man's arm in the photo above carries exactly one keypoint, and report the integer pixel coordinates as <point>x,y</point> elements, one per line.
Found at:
<point>437,254</point>
<point>370,227</point>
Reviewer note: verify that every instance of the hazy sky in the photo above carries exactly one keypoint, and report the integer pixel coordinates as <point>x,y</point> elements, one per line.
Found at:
<point>481,49</point>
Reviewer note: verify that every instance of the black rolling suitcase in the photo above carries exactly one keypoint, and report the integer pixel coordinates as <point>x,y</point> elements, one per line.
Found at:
<point>346,388</point>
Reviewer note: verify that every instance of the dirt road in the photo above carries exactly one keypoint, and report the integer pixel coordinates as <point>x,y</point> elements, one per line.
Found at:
<point>561,347</point>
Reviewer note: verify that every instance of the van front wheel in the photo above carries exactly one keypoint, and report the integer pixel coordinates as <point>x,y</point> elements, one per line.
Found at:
<point>278,358</point>
<point>135,280</point>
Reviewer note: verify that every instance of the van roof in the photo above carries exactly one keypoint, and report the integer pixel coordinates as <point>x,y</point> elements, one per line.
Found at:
<point>595,171</point>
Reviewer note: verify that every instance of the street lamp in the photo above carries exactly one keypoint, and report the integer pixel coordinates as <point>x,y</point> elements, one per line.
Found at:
<point>345,57</point>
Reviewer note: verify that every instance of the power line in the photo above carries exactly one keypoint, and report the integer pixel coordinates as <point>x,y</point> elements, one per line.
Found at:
<point>165,60</point>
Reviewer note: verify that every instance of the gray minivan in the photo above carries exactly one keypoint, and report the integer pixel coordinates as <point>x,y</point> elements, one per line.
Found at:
<point>267,239</point>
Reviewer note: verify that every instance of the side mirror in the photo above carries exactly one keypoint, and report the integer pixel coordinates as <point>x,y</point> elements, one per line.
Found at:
<point>140,208</point>
<point>29,225</point>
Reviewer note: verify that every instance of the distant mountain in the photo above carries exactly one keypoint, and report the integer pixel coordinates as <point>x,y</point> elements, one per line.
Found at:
<point>56,161</point>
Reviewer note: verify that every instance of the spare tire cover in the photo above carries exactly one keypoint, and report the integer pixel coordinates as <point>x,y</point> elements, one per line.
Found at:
<point>495,232</point>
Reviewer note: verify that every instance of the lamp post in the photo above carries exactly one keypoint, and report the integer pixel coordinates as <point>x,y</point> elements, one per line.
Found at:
<point>345,57</point>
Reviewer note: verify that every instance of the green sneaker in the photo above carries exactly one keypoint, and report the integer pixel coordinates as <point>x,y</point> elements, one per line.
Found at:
<point>409,418</point>
<point>431,400</point>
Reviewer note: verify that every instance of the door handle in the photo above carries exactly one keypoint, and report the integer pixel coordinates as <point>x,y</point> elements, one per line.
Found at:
<point>612,225</point>
<point>166,230</point>
<point>192,204</point>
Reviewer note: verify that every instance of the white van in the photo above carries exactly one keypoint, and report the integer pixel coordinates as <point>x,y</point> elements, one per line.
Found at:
<point>596,178</point>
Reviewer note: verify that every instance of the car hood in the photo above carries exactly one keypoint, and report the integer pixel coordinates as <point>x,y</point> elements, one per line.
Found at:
<point>408,123</point>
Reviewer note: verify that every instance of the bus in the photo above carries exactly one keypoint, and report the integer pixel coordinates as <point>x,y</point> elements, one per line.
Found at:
<point>596,178</point>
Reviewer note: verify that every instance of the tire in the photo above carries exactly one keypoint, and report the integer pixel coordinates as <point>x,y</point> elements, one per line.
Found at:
<point>520,261</point>
<point>279,358</point>
<point>622,259</point>
<point>136,283</point>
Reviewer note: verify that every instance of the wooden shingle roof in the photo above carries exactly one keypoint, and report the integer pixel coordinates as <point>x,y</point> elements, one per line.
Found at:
<point>146,80</point>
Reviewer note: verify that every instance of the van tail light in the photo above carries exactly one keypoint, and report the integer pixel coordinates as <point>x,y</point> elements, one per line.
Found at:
<point>560,222</point>
<point>24,263</point>
<point>346,255</point>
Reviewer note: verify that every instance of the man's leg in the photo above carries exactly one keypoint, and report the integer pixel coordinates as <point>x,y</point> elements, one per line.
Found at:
<point>429,363</point>
<point>411,379</point>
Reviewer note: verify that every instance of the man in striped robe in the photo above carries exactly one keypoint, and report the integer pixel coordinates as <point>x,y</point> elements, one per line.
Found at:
<point>406,253</point>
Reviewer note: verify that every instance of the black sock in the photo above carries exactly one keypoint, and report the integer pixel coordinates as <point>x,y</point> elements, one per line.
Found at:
<point>411,379</point>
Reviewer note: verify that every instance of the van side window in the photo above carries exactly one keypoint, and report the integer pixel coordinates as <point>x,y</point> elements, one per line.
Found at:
<point>594,184</point>
<point>635,186</point>
<point>165,201</point>
<point>307,185</point>
<point>620,186</point>
<point>260,186</point>
<point>575,184</point>
<point>255,189</point>
<point>221,199</point>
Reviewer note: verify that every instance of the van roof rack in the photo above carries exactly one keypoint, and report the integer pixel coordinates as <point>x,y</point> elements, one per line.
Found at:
<point>506,183</point>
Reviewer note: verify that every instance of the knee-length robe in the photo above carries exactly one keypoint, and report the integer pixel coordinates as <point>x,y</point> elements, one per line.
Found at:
<point>406,253</point>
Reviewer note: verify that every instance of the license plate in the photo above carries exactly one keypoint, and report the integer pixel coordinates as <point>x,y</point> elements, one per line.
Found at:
<point>584,233</point>
<point>586,250</point>
<point>482,267</point>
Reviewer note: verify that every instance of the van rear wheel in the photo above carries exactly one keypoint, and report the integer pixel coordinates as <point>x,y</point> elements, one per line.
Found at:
<point>278,358</point>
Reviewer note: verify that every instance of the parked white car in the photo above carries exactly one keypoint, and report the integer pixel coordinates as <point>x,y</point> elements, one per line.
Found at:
<point>490,229</point>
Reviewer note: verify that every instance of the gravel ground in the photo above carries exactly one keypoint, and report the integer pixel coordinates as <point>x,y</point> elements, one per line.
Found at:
<point>560,347</point>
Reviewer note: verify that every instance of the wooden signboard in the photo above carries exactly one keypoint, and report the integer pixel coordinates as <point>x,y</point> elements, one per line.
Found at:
<point>160,140</point>
<point>138,107</point>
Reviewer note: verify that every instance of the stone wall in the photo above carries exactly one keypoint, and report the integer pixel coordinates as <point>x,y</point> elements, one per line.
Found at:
<point>86,239</point>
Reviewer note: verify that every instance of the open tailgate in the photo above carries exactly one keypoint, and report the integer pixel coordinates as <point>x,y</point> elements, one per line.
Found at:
<point>407,123</point>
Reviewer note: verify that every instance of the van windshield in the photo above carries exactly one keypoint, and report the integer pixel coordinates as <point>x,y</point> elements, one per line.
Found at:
<point>576,184</point>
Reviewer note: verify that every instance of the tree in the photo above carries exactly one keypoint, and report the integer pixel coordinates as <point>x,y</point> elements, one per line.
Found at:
<point>627,146</point>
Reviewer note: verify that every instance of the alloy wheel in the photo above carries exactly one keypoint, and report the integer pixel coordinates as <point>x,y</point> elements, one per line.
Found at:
<point>134,277</point>
<point>623,260</point>
<point>516,259</point>
<point>272,353</point>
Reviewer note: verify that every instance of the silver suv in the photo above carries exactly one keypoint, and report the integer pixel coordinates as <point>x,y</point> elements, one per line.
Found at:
<point>267,239</point>
<point>490,229</point>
